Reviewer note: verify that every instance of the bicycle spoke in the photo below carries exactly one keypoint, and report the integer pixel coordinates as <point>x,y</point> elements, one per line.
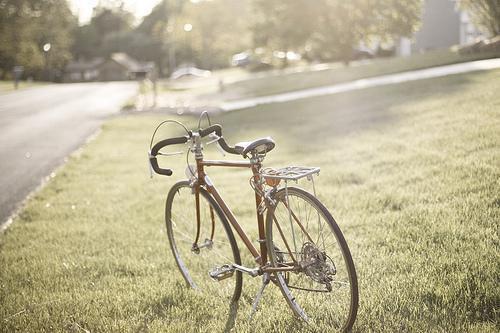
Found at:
<point>323,284</point>
<point>196,263</point>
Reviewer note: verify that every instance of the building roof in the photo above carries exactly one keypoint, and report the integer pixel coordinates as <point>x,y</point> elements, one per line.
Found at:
<point>123,59</point>
<point>131,64</point>
<point>126,61</point>
<point>83,65</point>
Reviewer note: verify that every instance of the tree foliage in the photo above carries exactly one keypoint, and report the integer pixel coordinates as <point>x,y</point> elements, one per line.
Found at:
<point>284,25</point>
<point>91,40</point>
<point>319,29</point>
<point>157,20</point>
<point>485,13</point>
<point>218,31</point>
<point>110,30</point>
<point>25,26</point>
<point>149,40</point>
<point>329,29</point>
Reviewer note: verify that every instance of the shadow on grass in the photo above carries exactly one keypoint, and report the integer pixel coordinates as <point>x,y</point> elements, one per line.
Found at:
<point>231,318</point>
<point>314,121</point>
<point>158,310</point>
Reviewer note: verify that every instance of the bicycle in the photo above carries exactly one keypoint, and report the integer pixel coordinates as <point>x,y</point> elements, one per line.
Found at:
<point>301,249</point>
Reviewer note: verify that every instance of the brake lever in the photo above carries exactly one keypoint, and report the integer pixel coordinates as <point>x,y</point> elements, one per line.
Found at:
<point>171,154</point>
<point>215,139</point>
<point>160,154</point>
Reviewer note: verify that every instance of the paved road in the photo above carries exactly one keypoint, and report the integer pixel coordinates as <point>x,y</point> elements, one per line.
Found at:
<point>40,126</point>
<point>365,83</point>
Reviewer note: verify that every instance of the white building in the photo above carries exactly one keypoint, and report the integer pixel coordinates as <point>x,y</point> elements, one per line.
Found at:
<point>443,25</point>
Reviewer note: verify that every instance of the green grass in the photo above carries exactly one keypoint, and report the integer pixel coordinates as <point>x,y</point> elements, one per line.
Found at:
<point>279,82</point>
<point>411,173</point>
<point>6,86</point>
<point>239,83</point>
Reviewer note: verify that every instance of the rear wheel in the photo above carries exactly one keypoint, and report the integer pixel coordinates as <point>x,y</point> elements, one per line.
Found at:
<point>216,245</point>
<point>323,286</point>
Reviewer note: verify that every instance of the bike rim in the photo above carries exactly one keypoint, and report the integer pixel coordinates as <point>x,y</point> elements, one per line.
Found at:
<point>196,265</point>
<point>307,292</point>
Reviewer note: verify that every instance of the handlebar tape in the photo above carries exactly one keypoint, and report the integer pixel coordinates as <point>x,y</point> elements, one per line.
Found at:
<point>156,148</point>
<point>217,129</point>
<point>214,128</point>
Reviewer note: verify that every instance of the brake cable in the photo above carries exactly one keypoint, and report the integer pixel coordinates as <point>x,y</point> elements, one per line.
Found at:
<point>163,122</point>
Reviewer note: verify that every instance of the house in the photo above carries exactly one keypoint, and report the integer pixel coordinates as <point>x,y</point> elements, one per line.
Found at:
<point>120,66</point>
<point>77,71</point>
<point>117,67</point>
<point>443,25</point>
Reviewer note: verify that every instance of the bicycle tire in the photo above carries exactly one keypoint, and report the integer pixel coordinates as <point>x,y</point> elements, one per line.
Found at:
<point>193,266</point>
<point>324,307</point>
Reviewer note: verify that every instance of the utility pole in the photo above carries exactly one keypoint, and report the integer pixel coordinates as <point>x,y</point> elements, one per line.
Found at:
<point>172,61</point>
<point>171,50</point>
<point>46,49</point>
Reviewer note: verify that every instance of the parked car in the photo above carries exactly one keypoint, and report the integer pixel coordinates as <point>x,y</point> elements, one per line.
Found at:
<point>290,55</point>
<point>241,59</point>
<point>253,61</point>
<point>362,53</point>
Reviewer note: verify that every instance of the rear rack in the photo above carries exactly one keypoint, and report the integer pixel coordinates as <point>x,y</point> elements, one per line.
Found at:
<point>289,173</point>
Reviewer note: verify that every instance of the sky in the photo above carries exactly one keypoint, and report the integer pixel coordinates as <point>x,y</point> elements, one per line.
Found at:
<point>83,8</point>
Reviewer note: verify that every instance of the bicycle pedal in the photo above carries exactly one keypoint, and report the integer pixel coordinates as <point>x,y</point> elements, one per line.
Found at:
<point>221,273</point>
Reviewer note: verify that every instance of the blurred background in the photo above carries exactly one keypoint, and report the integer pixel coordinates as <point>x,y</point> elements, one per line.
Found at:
<point>104,40</point>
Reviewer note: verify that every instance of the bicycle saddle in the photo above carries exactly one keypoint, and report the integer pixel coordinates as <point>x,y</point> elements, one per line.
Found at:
<point>263,145</point>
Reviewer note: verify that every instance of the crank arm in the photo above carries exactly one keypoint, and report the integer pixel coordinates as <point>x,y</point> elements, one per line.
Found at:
<point>250,271</point>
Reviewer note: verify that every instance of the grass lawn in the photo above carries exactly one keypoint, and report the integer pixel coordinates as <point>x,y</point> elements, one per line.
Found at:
<point>6,86</point>
<point>411,173</point>
<point>239,83</point>
<point>278,81</point>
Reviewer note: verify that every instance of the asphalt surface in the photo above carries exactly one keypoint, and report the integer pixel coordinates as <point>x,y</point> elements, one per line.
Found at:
<point>41,126</point>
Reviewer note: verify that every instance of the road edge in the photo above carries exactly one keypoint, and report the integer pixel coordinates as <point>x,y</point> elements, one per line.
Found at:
<point>44,181</point>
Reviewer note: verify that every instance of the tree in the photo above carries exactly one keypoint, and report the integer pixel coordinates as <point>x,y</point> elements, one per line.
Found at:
<point>54,26</point>
<point>485,13</point>
<point>284,25</point>
<point>157,20</point>
<point>25,26</point>
<point>109,20</point>
<point>91,40</point>
<point>150,37</point>
<point>340,26</point>
<point>329,29</point>
<point>217,33</point>
<point>16,43</point>
<point>86,42</point>
<point>110,30</point>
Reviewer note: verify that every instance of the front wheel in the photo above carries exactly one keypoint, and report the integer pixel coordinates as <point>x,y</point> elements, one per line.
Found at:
<point>199,251</point>
<point>321,284</point>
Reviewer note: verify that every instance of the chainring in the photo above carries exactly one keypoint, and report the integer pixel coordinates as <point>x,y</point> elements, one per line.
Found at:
<point>317,265</point>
